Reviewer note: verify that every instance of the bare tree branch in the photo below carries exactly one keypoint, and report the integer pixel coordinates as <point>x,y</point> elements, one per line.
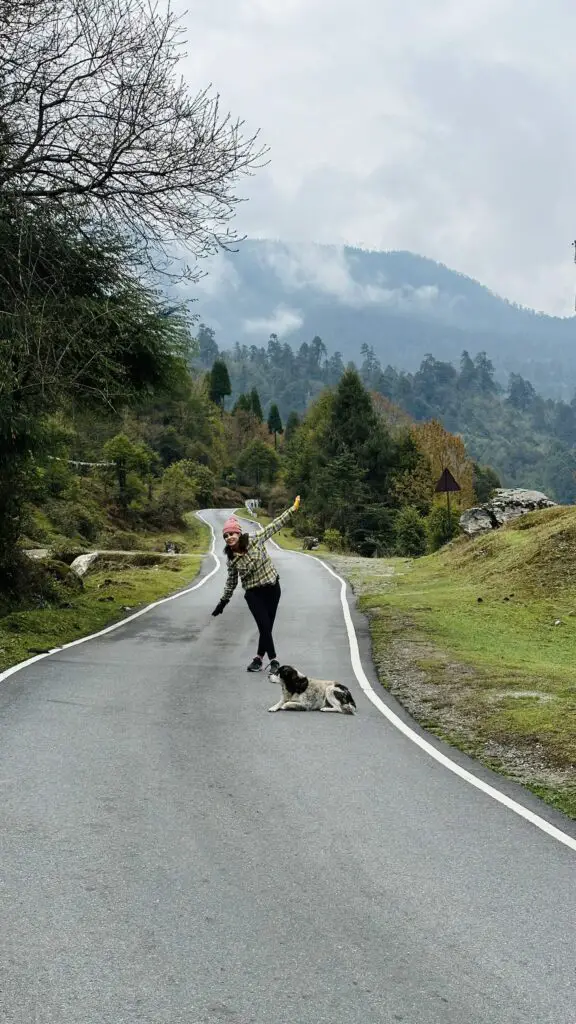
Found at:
<point>93,113</point>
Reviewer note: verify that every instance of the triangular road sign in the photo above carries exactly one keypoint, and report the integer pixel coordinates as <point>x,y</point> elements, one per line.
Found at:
<point>447,483</point>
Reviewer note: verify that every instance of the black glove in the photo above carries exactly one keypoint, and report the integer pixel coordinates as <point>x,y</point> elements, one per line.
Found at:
<point>220,607</point>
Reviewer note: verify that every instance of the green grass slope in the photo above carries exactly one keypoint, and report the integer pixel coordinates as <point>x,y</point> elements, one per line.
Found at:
<point>63,607</point>
<point>479,643</point>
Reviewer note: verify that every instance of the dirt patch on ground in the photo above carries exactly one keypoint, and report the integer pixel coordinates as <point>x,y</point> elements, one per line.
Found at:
<point>363,574</point>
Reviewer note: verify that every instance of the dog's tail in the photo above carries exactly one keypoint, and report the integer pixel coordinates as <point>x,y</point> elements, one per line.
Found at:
<point>344,698</point>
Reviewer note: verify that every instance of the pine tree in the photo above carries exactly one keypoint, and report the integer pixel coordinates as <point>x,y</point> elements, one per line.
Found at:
<point>207,348</point>
<point>256,406</point>
<point>292,424</point>
<point>219,383</point>
<point>242,404</point>
<point>354,421</point>
<point>275,423</point>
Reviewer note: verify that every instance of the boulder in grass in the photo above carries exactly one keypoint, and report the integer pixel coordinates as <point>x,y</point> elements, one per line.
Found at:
<point>508,503</point>
<point>81,564</point>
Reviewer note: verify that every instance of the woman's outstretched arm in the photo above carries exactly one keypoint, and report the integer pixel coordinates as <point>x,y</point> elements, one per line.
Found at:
<point>277,524</point>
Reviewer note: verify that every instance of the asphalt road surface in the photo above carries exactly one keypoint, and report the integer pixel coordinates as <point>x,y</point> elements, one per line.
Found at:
<point>169,852</point>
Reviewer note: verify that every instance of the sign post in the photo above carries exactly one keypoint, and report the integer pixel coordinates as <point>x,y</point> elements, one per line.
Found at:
<point>446,485</point>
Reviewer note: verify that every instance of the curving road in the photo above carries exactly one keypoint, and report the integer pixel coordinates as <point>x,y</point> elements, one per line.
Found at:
<point>172,854</point>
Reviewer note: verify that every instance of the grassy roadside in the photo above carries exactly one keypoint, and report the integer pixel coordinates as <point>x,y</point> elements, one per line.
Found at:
<point>478,642</point>
<point>285,538</point>
<point>115,589</point>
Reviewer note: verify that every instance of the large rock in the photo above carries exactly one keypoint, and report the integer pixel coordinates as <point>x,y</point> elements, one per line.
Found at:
<point>81,564</point>
<point>507,504</point>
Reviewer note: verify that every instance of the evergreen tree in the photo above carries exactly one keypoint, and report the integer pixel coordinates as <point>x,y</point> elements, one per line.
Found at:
<point>292,424</point>
<point>353,417</point>
<point>521,394</point>
<point>485,374</point>
<point>256,406</point>
<point>347,461</point>
<point>219,383</point>
<point>242,404</point>
<point>467,377</point>
<point>207,348</point>
<point>275,423</point>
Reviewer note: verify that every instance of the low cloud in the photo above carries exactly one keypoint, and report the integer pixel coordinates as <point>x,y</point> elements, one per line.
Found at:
<point>220,275</point>
<point>326,269</point>
<point>283,321</point>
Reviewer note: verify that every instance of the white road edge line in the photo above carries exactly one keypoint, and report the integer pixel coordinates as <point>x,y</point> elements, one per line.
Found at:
<point>129,618</point>
<point>429,748</point>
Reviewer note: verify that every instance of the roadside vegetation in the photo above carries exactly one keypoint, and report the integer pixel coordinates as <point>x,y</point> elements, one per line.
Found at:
<point>477,641</point>
<point>65,606</point>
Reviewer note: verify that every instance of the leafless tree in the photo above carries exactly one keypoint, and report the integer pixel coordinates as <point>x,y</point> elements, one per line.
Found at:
<point>94,114</point>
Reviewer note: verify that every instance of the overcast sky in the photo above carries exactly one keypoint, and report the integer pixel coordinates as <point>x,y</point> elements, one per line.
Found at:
<point>447,127</point>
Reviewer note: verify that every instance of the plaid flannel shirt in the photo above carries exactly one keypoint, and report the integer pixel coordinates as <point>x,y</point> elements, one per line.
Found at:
<point>254,566</point>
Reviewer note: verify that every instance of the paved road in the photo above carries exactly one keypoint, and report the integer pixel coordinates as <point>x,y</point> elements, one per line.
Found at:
<point>169,852</point>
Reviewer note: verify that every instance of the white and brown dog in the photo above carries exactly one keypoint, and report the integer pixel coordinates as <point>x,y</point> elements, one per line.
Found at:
<point>302,694</point>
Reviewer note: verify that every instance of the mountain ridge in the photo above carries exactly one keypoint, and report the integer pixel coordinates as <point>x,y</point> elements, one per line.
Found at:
<point>402,304</point>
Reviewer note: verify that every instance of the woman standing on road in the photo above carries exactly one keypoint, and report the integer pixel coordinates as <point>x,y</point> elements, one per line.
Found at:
<point>249,560</point>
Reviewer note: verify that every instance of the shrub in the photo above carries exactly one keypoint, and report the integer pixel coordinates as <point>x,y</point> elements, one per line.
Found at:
<point>121,541</point>
<point>58,479</point>
<point>62,574</point>
<point>178,490</point>
<point>372,531</point>
<point>411,535</point>
<point>333,540</point>
<point>225,497</point>
<point>205,482</point>
<point>88,522</point>
<point>72,518</point>
<point>441,526</point>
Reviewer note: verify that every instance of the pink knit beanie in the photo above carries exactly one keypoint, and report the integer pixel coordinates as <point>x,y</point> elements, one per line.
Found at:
<point>232,526</point>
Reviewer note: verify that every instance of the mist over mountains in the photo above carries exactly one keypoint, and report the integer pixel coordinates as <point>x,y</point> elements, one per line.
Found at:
<point>403,305</point>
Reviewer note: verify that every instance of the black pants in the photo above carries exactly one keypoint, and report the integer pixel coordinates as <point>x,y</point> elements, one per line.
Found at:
<point>263,603</point>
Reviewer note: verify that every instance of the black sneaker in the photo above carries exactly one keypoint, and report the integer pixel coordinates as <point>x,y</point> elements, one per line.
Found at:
<point>273,671</point>
<point>255,665</point>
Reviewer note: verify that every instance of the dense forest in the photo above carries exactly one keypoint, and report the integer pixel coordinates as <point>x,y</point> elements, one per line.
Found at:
<point>401,304</point>
<point>529,440</point>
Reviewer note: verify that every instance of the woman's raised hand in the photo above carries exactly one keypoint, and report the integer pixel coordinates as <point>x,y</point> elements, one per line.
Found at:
<point>296,505</point>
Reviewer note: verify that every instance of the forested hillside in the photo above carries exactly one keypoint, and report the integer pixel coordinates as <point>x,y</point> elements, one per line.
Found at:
<point>528,439</point>
<point>399,303</point>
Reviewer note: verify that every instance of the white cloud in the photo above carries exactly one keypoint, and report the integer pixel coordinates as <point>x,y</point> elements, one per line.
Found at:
<point>327,270</point>
<point>283,322</point>
<point>441,126</point>
<point>221,276</point>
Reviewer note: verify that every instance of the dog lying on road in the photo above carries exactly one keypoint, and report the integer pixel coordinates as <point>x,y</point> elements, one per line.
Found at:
<point>302,694</point>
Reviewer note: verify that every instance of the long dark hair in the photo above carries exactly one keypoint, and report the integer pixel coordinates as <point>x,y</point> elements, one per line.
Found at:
<point>240,548</point>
